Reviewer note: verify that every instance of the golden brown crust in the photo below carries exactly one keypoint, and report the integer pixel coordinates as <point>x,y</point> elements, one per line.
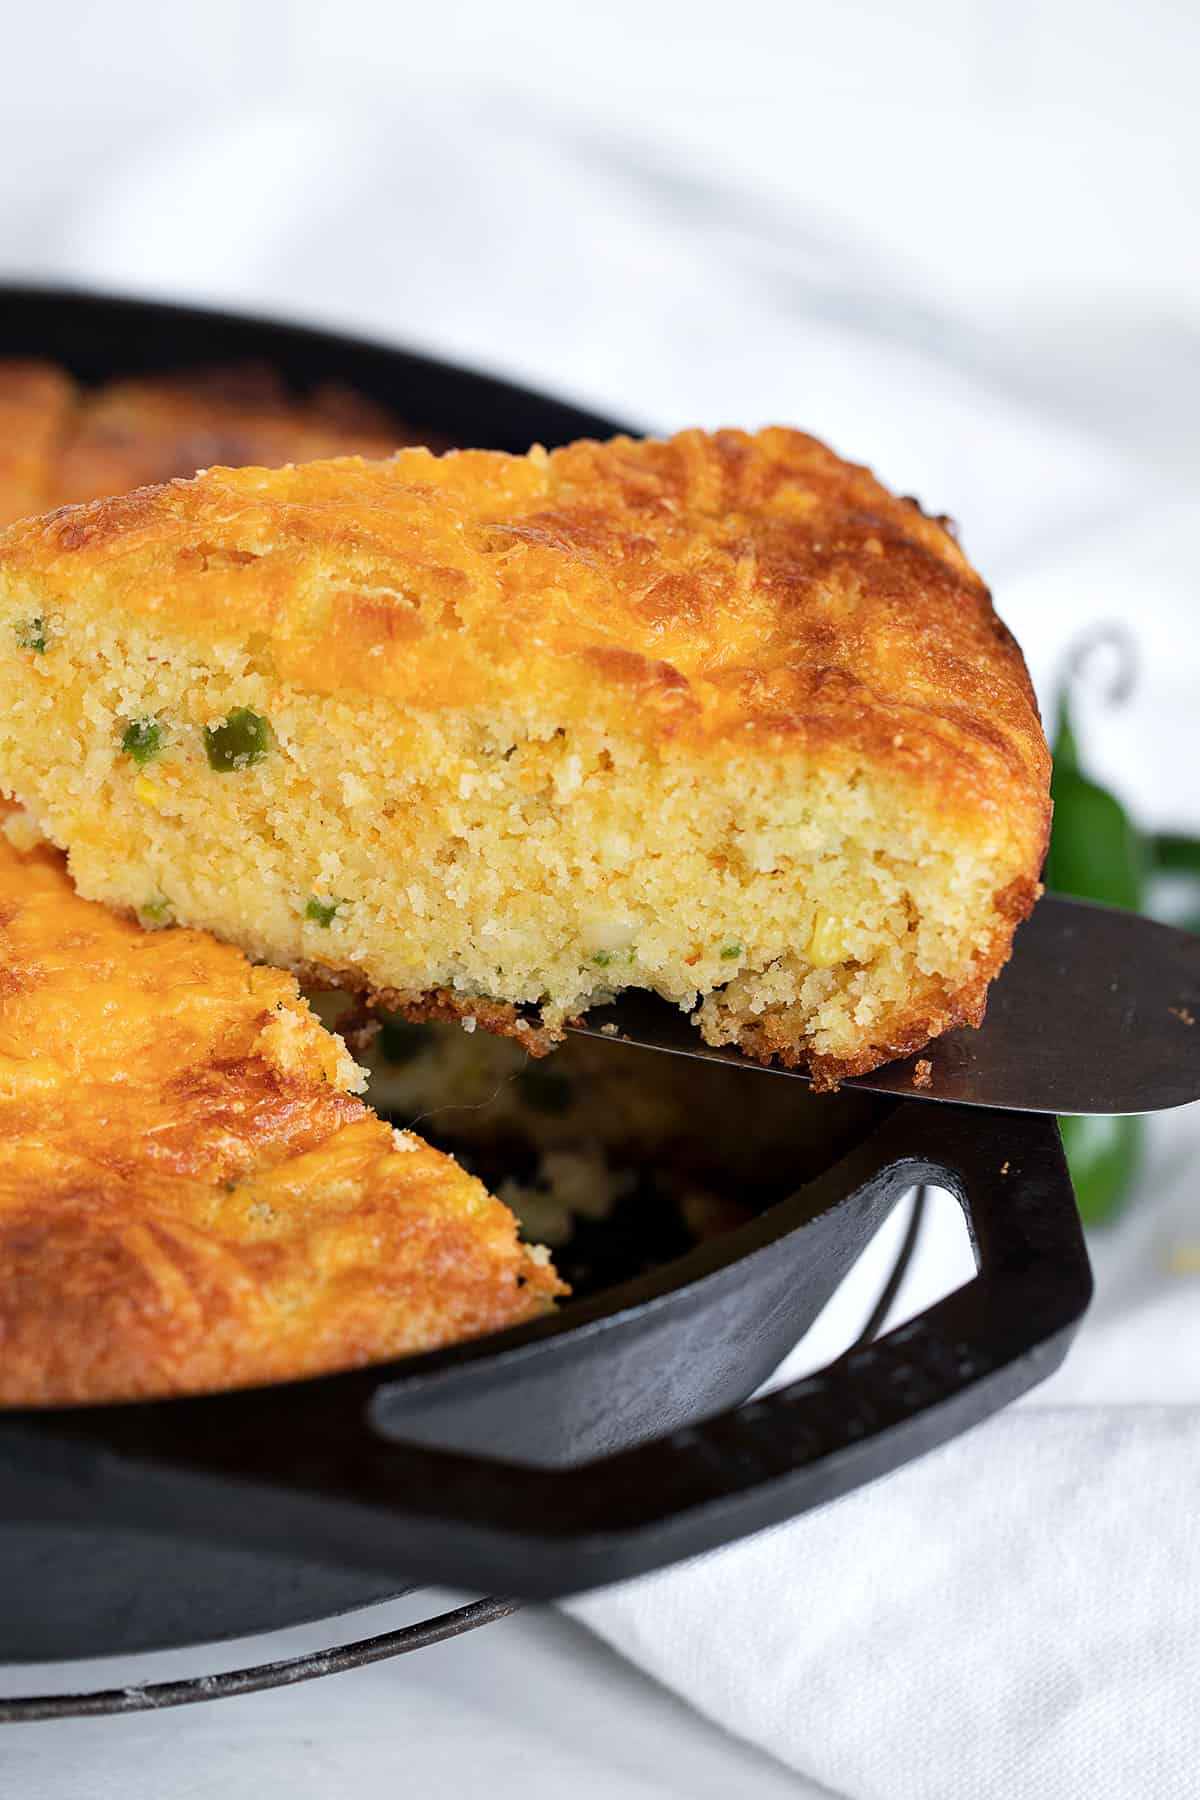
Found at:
<point>359,1023</point>
<point>189,1199</point>
<point>693,590</point>
<point>441,1006</point>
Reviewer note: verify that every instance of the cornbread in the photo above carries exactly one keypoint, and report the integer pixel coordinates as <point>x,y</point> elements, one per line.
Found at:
<point>127,433</point>
<point>191,1197</point>
<point>36,401</point>
<point>494,737</point>
<point>60,442</point>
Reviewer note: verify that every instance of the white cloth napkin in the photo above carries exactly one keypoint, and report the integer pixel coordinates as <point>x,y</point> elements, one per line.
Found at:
<point>1019,1614</point>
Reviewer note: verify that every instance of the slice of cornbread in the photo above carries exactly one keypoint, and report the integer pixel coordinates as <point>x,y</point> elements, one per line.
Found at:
<point>190,1197</point>
<point>498,736</point>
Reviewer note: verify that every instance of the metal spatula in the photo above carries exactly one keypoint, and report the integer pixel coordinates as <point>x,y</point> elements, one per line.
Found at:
<point>1098,1012</point>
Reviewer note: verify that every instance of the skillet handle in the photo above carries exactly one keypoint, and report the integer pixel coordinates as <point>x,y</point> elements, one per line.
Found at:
<point>349,1493</point>
<point>888,1401</point>
<point>878,1407</point>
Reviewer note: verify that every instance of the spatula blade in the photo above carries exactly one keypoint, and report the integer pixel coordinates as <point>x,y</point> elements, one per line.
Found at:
<point>1098,1012</point>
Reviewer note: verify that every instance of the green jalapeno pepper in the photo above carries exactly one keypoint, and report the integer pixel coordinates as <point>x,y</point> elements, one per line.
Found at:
<point>1103,1155</point>
<point>1096,851</point>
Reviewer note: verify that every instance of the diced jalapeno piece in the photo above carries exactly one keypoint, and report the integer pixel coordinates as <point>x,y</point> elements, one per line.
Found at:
<point>157,912</point>
<point>546,1091</point>
<point>142,740</point>
<point>321,912</point>
<point>31,635</point>
<point>730,951</point>
<point>244,738</point>
<point>603,958</point>
<point>401,1041</point>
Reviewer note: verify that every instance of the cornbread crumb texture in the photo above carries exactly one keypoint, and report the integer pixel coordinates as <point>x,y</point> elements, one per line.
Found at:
<point>61,443</point>
<point>190,1197</point>
<point>716,716</point>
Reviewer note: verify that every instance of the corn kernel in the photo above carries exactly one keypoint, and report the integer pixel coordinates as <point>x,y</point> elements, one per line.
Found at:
<point>148,792</point>
<point>21,832</point>
<point>827,945</point>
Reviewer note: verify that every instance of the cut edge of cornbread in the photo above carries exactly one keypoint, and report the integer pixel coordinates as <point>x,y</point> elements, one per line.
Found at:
<point>478,864</point>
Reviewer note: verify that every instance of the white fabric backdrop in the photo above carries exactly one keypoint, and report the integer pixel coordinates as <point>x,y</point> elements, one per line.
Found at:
<point>961,243</point>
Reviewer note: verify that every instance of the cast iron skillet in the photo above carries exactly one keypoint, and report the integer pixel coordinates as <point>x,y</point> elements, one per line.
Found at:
<point>603,1442</point>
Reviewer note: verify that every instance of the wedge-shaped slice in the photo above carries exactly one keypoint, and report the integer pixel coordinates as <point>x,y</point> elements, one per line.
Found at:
<point>190,1197</point>
<point>716,716</point>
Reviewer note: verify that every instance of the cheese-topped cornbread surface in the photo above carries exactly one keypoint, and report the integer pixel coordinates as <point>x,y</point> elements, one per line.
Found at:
<point>190,1196</point>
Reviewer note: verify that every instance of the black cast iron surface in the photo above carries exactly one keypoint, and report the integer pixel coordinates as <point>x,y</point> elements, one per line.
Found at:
<point>587,1447</point>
